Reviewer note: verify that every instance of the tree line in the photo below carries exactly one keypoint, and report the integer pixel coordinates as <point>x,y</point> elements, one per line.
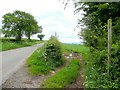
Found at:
<point>20,23</point>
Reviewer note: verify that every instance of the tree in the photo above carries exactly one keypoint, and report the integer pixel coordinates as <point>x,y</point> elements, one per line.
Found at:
<point>41,36</point>
<point>95,19</point>
<point>32,28</point>
<point>18,23</point>
<point>96,36</point>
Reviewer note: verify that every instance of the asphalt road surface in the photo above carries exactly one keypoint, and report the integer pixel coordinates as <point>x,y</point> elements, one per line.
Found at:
<point>12,60</point>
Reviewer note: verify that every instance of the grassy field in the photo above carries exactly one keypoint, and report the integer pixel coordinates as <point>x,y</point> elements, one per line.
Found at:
<point>10,43</point>
<point>64,77</point>
<point>82,49</point>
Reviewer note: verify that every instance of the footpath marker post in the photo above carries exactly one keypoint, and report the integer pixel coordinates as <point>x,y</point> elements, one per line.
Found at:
<point>109,41</point>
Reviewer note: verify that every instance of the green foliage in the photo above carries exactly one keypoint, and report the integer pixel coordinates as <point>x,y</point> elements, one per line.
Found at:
<point>96,73</point>
<point>9,43</point>
<point>53,52</point>
<point>41,36</point>
<point>82,49</point>
<point>95,35</point>
<point>37,64</point>
<point>46,58</point>
<point>64,77</point>
<point>18,23</point>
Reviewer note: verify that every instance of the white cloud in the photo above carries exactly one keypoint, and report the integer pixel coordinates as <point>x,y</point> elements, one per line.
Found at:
<point>50,14</point>
<point>35,7</point>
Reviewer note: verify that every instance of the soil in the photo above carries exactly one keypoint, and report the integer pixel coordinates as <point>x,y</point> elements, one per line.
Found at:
<point>22,78</point>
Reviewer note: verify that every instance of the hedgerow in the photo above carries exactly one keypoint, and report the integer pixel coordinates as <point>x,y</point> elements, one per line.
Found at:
<point>100,74</point>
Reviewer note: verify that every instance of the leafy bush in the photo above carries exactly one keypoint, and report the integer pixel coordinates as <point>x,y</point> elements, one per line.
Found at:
<point>95,35</point>
<point>64,77</point>
<point>97,69</point>
<point>53,52</point>
<point>46,58</point>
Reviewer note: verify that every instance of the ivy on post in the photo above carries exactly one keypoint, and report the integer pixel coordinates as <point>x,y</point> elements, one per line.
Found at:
<point>109,41</point>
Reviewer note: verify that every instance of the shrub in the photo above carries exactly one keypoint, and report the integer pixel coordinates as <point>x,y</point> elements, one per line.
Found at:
<point>53,52</point>
<point>97,75</point>
<point>46,58</point>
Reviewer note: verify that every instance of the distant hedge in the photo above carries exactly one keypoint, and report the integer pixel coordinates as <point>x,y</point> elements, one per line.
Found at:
<point>3,39</point>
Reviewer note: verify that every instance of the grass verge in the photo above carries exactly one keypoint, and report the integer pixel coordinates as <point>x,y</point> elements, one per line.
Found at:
<point>8,43</point>
<point>64,77</point>
<point>37,65</point>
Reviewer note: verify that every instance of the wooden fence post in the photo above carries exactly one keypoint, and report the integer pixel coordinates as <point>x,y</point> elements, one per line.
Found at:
<point>109,41</point>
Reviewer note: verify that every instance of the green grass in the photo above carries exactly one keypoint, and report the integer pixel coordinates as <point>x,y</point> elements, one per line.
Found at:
<point>38,65</point>
<point>82,49</point>
<point>46,58</point>
<point>10,43</point>
<point>64,77</point>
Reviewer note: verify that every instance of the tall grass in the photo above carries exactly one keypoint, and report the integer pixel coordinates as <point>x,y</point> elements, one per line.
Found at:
<point>37,64</point>
<point>64,77</point>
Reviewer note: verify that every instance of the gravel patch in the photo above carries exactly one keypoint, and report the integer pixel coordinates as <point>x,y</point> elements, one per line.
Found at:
<point>22,79</point>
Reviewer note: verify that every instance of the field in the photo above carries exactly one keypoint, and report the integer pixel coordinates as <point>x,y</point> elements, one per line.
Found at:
<point>82,49</point>
<point>11,43</point>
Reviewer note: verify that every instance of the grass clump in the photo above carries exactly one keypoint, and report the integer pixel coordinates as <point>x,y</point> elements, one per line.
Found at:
<point>64,77</point>
<point>46,58</point>
<point>82,49</point>
<point>37,64</point>
<point>8,43</point>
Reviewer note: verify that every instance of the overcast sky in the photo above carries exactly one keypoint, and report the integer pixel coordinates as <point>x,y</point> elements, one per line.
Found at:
<point>50,14</point>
